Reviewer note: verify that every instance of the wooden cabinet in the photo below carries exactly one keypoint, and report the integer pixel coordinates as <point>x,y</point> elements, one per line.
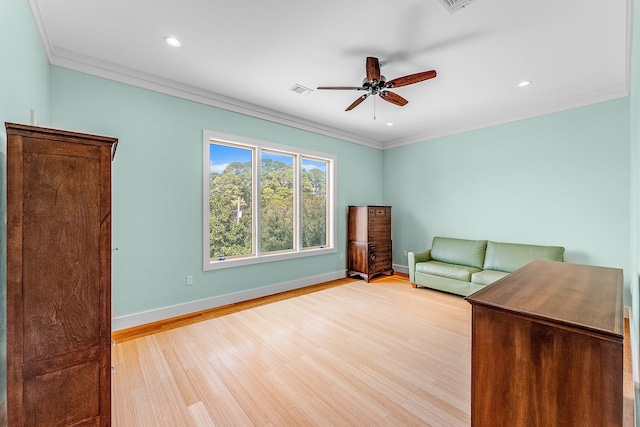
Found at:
<point>547,347</point>
<point>369,241</point>
<point>58,277</point>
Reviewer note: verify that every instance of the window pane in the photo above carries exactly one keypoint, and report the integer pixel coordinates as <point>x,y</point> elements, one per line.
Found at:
<point>230,201</point>
<point>276,198</point>
<point>314,203</point>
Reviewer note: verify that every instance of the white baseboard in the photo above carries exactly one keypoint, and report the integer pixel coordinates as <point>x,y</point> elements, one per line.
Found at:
<point>401,268</point>
<point>142,318</point>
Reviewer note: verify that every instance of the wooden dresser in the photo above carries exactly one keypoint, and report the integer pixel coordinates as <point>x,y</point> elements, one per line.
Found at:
<point>547,347</point>
<point>58,277</point>
<point>369,241</point>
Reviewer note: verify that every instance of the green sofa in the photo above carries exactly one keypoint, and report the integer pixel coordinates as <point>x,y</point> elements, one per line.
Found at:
<point>463,267</point>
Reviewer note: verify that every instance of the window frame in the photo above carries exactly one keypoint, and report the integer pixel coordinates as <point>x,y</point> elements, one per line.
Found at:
<point>258,257</point>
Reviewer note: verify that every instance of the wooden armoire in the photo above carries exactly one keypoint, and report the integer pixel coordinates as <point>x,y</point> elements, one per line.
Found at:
<point>58,277</point>
<point>369,241</point>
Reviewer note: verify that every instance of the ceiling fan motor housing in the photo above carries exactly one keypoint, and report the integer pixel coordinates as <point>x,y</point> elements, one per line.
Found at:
<point>374,88</point>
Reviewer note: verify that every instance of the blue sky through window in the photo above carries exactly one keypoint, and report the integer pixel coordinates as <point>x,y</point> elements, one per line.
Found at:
<point>220,156</point>
<point>284,158</point>
<point>308,164</point>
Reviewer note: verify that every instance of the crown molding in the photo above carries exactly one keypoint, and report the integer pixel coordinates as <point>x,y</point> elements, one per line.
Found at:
<point>92,66</point>
<point>42,30</point>
<point>584,101</point>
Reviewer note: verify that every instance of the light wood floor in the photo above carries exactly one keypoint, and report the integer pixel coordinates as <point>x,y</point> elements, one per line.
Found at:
<point>358,354</point>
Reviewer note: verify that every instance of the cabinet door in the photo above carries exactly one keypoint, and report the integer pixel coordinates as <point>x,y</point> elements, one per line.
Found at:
<point>59,282</point>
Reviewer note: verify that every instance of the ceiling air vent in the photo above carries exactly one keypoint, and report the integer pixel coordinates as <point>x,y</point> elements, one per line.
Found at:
<point>299,89</point>
<point>455,5</point>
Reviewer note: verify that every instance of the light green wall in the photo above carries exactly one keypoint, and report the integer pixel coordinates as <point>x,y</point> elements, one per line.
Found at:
<point>560,179</point>
<point>24,74</point>
<point>24,86</point>
<point>157,188</point>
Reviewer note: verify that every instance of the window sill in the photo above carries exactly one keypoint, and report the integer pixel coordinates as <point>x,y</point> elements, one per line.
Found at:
<point>239,262</point>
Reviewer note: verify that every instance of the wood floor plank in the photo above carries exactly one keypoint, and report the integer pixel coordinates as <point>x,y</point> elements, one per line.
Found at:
<point>143,413</point>
<point>350,353</point>
<point>299,395</point>
<point>200,415</point>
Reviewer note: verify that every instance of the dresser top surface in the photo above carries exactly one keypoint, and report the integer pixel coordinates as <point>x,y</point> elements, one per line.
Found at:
<point>581,296</point>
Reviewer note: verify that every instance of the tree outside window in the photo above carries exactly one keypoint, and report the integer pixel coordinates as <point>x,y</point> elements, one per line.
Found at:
<point>293,214</point>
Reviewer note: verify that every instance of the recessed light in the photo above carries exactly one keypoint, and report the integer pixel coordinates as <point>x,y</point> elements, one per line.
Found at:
<point>524,83</point>
<point>172,41</point>
<point>390,124</point>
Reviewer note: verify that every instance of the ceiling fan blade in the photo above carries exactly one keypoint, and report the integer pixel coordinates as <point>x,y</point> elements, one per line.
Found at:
<point>411,79</point>
<point>373,69</point>
<point>357,102</point>
<point>393,98</point>
<point>339,88</point>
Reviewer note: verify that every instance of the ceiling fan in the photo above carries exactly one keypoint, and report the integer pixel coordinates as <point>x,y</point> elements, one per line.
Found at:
<point>376,84</point>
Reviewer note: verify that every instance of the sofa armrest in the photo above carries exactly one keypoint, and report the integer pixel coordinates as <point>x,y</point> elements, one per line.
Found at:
<point>415,257</point>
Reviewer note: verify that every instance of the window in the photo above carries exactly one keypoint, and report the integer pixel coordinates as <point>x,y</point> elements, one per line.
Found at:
<point>265,202</point>
<point>314,202</point>
<point>276,202</point>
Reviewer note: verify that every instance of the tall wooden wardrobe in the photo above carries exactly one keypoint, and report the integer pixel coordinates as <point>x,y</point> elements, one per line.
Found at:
<point>58,277</point>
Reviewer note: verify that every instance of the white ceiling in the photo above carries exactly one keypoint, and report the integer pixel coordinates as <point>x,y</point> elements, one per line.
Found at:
<point>245,55</point>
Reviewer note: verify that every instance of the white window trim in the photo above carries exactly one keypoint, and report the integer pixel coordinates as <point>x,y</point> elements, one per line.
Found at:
<point>207,264</point>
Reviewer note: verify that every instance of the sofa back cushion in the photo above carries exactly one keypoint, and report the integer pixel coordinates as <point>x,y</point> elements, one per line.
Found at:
<point>459,251</point>
<point>509,257</point>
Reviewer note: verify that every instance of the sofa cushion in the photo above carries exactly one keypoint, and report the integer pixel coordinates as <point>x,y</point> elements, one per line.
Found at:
<point>509,257</point>
<point>445,284</point>
<point>487,277</point>
<point>459,251</point>
<point>451,271</point>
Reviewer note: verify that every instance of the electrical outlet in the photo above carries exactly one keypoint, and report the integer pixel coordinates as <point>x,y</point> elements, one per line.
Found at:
<point>189,280</point>
<point>405,253</point>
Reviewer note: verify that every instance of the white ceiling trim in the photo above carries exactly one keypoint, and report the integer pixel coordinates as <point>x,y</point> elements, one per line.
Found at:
<point>609,95</point>
<point>93,66</point>
<point>615,93</point>
<point>131,77</point>
<point>109,71</point>
<point>44,36</point>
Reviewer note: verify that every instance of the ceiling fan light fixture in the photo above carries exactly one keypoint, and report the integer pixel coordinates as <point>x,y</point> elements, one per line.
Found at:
<point>172,41</point>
